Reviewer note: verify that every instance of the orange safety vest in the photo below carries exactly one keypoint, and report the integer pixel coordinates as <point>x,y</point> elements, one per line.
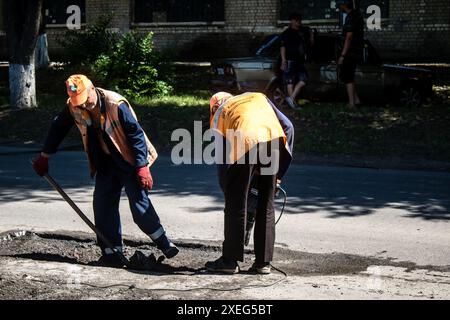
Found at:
<point>112,126</point>
<point>251,118</point>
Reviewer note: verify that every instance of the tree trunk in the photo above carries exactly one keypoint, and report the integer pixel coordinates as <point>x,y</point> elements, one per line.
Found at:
<point>22,85</point>
<point>22,19</point>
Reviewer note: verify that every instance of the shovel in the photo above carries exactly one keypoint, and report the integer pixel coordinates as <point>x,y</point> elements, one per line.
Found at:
<point>108,244</point>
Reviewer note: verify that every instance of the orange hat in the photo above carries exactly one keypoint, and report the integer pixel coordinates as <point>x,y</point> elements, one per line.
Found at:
<point>219,98</point>
<point>77,86</point>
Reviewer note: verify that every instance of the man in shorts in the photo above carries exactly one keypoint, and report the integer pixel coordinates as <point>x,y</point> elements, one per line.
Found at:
<point>353,32</point>
<point>295,42</point>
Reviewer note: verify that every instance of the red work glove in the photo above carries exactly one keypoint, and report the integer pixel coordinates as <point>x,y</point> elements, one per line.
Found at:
<point>40,165</point>
<point>145,177</point>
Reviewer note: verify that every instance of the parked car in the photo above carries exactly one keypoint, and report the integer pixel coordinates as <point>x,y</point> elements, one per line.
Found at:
<point>376,81</point>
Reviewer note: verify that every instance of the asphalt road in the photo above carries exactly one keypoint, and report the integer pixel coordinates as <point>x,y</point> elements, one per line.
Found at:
<point>403,215</point>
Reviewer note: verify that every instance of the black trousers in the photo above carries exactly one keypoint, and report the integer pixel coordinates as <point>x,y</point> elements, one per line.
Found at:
<point>236,184</point>
<point>347,70</point>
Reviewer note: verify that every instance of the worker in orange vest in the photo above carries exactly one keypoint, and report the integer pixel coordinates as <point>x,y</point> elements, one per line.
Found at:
<point>119,154</point>
<point>258,140</point>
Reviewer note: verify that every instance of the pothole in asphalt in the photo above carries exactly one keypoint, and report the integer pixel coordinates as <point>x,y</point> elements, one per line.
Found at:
<point>80,248</point>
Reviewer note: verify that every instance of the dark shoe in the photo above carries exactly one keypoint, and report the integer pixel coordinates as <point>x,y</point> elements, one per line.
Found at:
<point>166,246</point>
<point>223,265</point>
<point>171,251</point>
<point>261,268</point>
<point>110,261</point>
<point>139,261</point>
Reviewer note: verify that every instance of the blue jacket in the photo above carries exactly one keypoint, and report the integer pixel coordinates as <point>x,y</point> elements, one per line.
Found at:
<point>64,121</point>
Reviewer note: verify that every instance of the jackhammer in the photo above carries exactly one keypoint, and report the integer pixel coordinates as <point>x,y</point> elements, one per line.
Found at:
<point>252,203</point>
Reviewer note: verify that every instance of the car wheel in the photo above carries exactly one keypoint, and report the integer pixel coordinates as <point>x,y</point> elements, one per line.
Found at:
<point>277,95</point>
<point>410,97</point>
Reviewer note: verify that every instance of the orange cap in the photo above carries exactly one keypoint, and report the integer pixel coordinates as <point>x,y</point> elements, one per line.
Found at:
<point>77,86</point>
<point>219,98</point>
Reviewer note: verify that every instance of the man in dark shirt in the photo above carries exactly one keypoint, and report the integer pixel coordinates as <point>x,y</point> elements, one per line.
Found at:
<point>295,42</point>
<point>118,154</point>
<point>352,51</point>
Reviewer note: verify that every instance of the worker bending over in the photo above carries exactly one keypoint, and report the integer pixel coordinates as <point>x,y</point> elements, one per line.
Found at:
<point>119,155</point>
<point>247,127</point>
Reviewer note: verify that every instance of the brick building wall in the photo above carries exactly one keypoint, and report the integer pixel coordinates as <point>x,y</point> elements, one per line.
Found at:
<point>120,10</point>
<point>413,30</point>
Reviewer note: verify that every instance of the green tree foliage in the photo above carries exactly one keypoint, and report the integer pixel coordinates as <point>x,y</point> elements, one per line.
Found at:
<point>134,67</point>
<point>126,63</point>
<point>83,47</point>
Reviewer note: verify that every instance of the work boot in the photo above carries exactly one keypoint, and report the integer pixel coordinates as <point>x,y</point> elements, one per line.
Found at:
<point>171,251</point>
<point>261,268</point>
<point>223,265</point>
<point>167,247</point>
<point>110,261</point>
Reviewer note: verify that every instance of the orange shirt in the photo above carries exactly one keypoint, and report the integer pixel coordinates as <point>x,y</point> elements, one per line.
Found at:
<point>246,120</point>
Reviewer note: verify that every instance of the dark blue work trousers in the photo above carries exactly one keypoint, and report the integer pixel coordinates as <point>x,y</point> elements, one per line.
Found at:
<point>109,183</point>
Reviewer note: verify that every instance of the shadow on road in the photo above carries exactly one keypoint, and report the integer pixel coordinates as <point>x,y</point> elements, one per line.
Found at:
<point>339,192</point>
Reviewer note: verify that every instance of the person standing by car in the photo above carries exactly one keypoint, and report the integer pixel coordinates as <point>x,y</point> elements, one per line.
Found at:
<point>352,51</point>
<point>295,42</point>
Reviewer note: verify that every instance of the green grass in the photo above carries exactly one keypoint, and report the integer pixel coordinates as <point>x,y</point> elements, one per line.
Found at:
<point>160,116</point>
<point>321,128</point>
<point>332,129</point>
<point>193,100</point>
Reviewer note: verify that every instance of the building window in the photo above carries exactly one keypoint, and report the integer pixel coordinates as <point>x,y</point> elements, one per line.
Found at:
<point>56,10</point>
<point>309,9</point>
<point>325,9</point>
<point>154,11</point>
